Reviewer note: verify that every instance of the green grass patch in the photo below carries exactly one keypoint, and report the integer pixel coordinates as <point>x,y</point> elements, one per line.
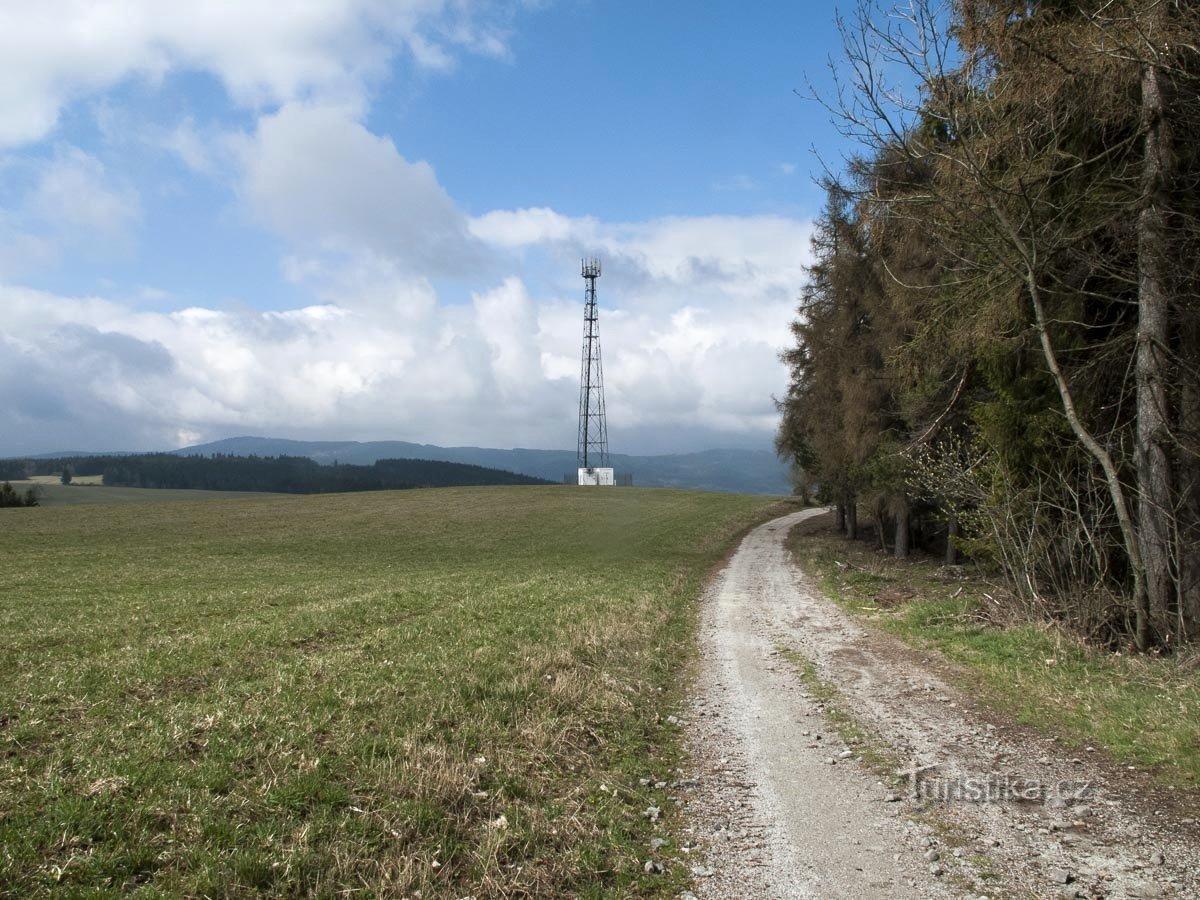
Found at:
<point>1144,711</point>
<point>86,490</point>
<point>453,691</point>
<point>876,753</point>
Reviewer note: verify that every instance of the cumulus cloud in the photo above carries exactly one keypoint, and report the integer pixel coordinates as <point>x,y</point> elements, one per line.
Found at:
<point>264,52</point>
<point>731,257</point>
<point>320,179</point>
<point>418,326</point>
<point>66,201</point>
<point>326,367</point>
<point>194,149</point>
<point>73,192</point>
<point>708,368</point>
<point>518,228</point>
<point>693,313</point>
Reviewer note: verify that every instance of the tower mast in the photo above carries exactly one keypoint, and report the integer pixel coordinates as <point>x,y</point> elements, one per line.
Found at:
<point>593,430</point>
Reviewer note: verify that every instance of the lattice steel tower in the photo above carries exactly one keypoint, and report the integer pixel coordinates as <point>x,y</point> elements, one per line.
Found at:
<point>593,430</point>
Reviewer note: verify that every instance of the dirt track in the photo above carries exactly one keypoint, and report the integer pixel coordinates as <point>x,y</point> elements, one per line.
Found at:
<point>781,807</point>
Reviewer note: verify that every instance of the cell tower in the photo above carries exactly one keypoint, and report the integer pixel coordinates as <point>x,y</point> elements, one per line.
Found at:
<point>593,430</point>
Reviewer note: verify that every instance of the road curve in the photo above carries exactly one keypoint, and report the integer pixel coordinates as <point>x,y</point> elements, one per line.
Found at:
<point>791,817</point>
<point>782,808</point>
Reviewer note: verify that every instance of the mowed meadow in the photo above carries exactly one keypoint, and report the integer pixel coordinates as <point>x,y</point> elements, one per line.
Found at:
<point>452,691</point>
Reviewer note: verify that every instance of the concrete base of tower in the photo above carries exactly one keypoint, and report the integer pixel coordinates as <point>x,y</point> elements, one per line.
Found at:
<point>596,476</point>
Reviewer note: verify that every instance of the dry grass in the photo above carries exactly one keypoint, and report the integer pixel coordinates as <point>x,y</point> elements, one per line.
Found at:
<point>57,479</point>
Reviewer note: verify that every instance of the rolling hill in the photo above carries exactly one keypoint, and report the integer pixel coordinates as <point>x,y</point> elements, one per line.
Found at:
<point>731,470</point>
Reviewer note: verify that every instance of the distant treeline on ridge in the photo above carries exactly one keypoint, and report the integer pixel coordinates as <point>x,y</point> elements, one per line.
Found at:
<point>276,474</point>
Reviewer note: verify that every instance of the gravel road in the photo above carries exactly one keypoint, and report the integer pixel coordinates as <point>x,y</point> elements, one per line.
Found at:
<point>782,807</point>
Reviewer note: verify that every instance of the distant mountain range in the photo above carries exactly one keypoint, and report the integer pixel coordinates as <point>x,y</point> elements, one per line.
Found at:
<point>736,471</point>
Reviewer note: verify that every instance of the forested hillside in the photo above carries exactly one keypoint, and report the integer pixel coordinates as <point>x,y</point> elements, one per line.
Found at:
<point>738,470</point>
<point>1001,335</point>
<point>275,474</point>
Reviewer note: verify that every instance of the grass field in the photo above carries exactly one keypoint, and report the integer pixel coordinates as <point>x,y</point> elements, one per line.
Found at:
<point>76,480</point>
<point>457,692</point>
<point>52,492</point>
<point>1142,710</point>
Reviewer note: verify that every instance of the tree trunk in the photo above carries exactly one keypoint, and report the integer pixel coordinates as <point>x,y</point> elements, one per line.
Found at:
<point>1112,478</point>
<point>951,534</point>
<point>903,528</point>
<point>839,517</point>
<point>1156,506</point>
<point>851,517</point>
<point>1187,480</point>
<point>1100,453</point>
<point>1188,544</point>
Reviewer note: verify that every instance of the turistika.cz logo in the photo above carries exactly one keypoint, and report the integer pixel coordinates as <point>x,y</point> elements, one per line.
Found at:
<point>925,786</point>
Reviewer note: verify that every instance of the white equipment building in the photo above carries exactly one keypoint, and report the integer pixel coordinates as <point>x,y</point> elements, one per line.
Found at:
<point>600,476</point>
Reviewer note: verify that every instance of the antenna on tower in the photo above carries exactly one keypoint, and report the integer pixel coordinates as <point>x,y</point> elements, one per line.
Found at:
<point>593,429</point>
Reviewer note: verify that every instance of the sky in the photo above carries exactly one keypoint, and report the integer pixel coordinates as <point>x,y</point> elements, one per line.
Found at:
<point>363,219</point>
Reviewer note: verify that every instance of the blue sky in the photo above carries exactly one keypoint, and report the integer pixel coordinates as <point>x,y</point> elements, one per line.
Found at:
<point>362,218</point>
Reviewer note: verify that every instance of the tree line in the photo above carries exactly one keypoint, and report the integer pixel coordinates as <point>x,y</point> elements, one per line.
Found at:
<point>274,474</point>
<point>998,348</point>
<point>10,496</point>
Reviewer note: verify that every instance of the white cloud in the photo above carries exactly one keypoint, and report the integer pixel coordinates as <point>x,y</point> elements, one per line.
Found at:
<point>202,371</point>
<point>363,281</point>
<point>710,368</point>
<point>20,251</point>
<point>517,228</point>
<point>264,52</point>
<point>194,149</point>
<point>694,313</point>
<point>320,179</point>
<point>730,257</point>
<point>66,202</point>
<point>74,193</point>
<point>381,357</point>
<point>694,309</point>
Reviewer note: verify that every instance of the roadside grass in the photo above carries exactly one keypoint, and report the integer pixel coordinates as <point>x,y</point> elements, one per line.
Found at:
<point>1143,711</point>
<point>874,752</point>
<point>452,692</point>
